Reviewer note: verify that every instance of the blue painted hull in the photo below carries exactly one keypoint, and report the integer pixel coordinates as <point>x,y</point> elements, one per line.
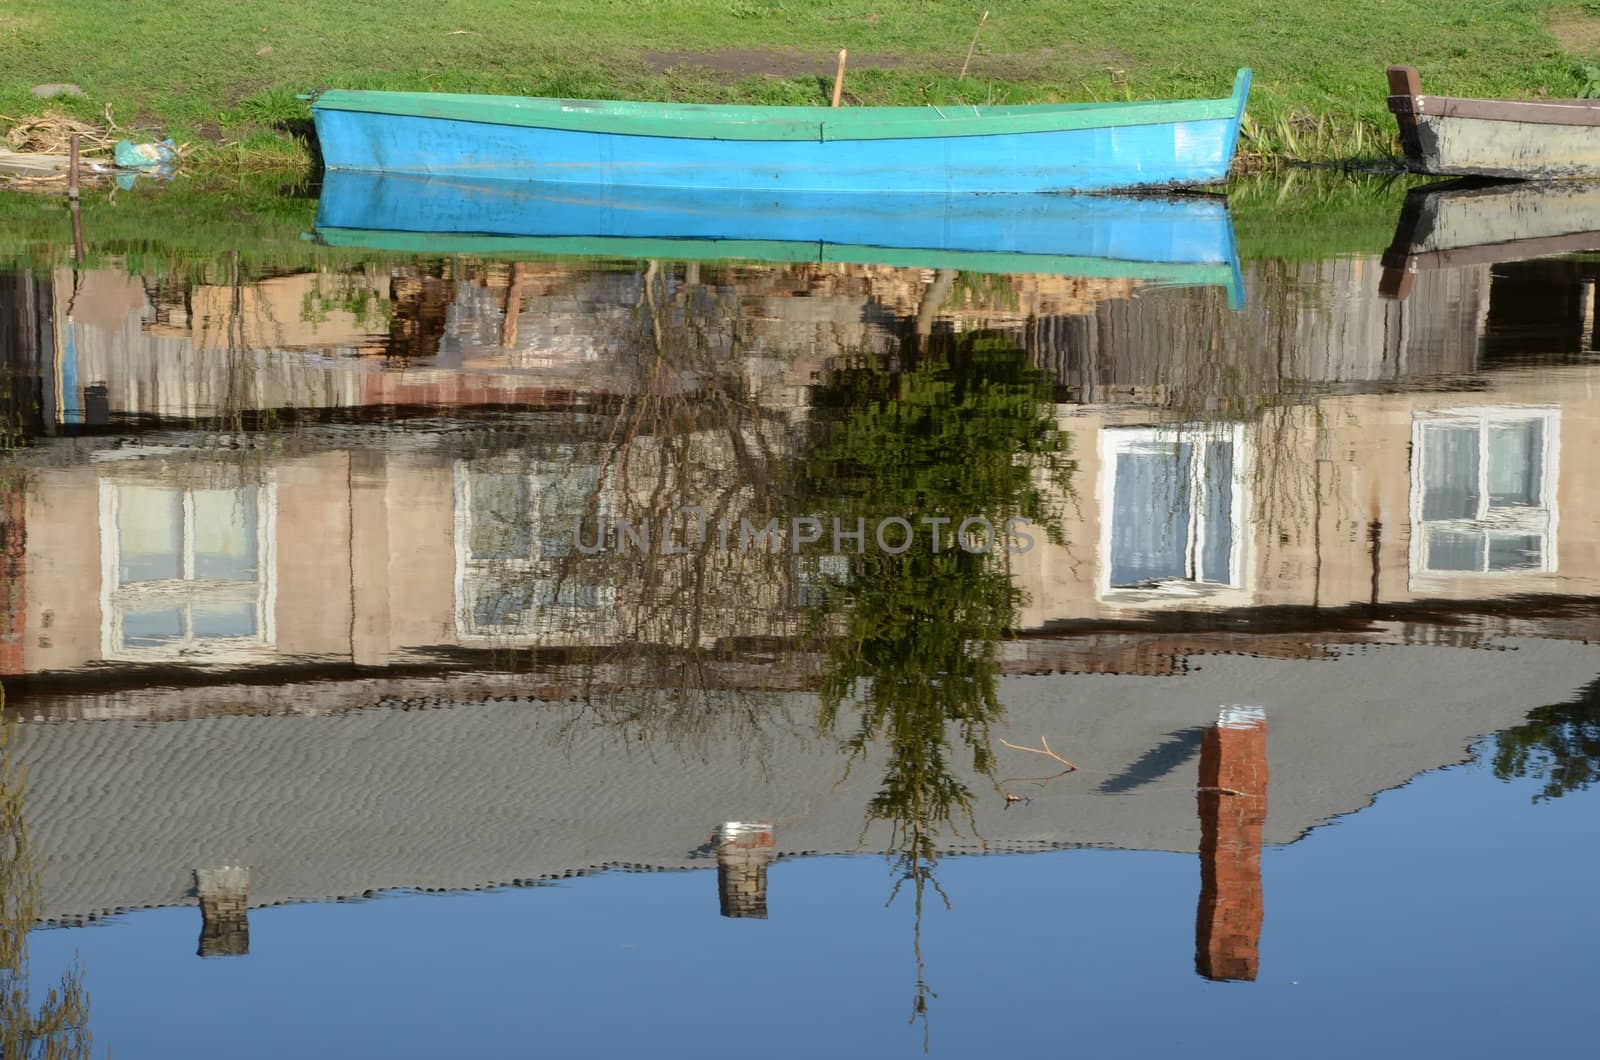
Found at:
<point>1184,153</point>
<point>1161,153</point>
<point>1148,238</point>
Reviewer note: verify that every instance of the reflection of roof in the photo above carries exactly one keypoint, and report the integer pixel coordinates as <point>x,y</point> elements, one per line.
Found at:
<point>123,811</point>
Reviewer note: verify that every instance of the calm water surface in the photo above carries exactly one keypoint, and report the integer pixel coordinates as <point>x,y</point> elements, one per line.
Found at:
<point>397,661</point>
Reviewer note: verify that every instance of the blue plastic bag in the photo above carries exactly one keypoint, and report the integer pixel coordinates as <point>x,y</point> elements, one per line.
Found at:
<point>129,155</point>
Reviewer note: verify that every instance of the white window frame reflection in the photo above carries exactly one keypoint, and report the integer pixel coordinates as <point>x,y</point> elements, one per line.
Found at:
<point>187,592</point>
<point>593,604</point>
<point>1489,520</point>
<point>1194,580</point>
<point>816,578</point>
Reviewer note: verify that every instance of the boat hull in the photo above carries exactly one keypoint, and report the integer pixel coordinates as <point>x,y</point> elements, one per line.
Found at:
<point>1060,148</point>
<point>1508,139</point>
<point>1170,240</point>
<point>1452,146</point>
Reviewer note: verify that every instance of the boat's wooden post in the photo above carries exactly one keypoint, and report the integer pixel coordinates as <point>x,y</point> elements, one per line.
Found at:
<point>1404,88</point>
<point>838,79</point>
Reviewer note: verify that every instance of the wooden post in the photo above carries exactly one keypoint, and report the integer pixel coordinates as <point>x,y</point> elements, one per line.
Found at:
<point>838,79</point>
<point>72,168</point>
<point>933,299</point>
<point>72,199</point>
<point>513,313</point>
<point>78,253</point>
<point>1589,333</point>
<point>972,47</point>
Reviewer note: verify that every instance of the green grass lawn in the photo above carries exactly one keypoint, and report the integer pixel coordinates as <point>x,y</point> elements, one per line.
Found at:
<point>217,71</point>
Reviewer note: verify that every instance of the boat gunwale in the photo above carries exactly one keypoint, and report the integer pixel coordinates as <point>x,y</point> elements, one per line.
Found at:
<point>700,121</point>
<point>1408,101</point>
<point>1578,112</point>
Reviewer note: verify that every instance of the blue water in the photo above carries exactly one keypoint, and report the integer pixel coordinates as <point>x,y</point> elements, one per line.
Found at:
<point>1453,917</point>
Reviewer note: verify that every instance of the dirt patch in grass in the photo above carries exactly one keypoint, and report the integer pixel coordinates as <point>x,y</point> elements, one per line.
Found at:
<point>736,64</point>
<point>730,65</point>
<point>1046,64</point>
<point>1578,34</point>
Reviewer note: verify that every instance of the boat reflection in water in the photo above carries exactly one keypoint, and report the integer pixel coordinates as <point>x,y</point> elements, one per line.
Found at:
<point>1173,239</point>
<point>1456,224</point>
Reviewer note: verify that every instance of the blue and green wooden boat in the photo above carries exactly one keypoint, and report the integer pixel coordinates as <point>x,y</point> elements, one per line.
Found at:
<point>1154,239</point>
<point>948,149</point>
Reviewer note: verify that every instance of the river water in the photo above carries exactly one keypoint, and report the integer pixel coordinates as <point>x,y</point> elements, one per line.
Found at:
<point>441,646</point>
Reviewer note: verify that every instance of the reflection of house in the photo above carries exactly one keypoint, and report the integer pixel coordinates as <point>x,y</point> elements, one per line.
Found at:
<point>1306,324</point>
<point>369,547</point>
<point>187,570</point>
<point>485,333</point>
<point>1484,491</point>
<point>1302,323</point>
<point>224,349</point>
<point>1543,307</point>
<point>123,811</point>
<point>1385,498</point>
<point>1175,503</point>
<point>205,556</point>
<point>515,526</point>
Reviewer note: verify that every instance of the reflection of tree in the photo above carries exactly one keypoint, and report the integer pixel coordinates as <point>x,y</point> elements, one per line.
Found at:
<point>1558,744</point>
<point>964,431</point>
<point>691,445</point>
<point>60,1026</point>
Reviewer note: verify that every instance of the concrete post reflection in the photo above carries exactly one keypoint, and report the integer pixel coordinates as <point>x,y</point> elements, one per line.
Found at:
<point>1233,810</point>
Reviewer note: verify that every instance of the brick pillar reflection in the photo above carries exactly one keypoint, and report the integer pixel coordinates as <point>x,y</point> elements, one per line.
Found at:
<point>743,850</point>
<point>224,912</point>
<point>13,570</point>
<point>1233,810</point>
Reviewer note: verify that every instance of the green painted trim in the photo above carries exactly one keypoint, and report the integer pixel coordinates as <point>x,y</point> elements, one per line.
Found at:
<point>773,251</point>
<point>699,121</point>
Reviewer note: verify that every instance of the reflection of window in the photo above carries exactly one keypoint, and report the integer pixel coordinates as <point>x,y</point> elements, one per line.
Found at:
<point>517,570</point>
<point>816,578</point>
<point>1175,510</point>
<point>187,572</point>
<point>1483,491</point>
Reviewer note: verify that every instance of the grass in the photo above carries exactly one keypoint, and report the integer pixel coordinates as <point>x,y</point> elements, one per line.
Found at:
<point>194,229</point>
<point>1308,214</point>
<point>225,74</point>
